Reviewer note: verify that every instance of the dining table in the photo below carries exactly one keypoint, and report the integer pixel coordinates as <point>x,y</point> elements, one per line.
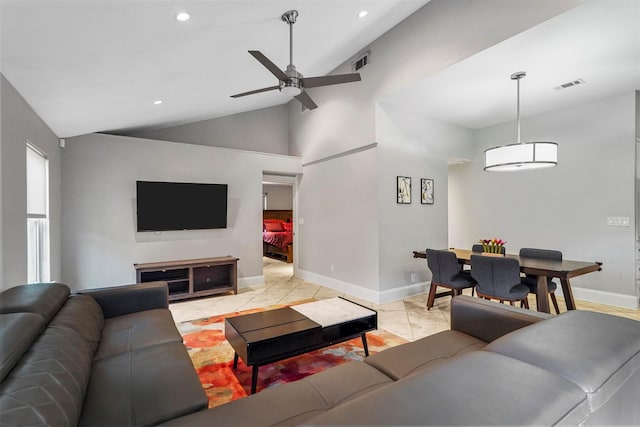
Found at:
<point>542,269</point>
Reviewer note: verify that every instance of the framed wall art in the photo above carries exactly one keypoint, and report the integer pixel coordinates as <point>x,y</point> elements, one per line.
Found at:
<point>404,190</point>
<point>426,191</point>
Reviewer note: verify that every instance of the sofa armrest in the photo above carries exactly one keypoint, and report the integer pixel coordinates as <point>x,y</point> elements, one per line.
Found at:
<point>489,320</point>
<point>120,300</point>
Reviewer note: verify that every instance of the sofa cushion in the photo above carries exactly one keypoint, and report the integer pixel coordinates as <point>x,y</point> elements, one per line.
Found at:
<point>294,402</point>
<point>44,299</point>
<point>479,388</point>
<point>143,387</point>
<point>48,384</point>
<point>136,331</point>
<point>596,351</point>
<point>82,314</point>
<point>18,331</point>
<point>423,354</point>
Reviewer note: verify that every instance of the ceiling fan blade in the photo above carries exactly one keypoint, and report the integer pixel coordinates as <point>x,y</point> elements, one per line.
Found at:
<point>336,79</point>
<point>269,65</point>
<point>306,100</point>
<point>264,89</point>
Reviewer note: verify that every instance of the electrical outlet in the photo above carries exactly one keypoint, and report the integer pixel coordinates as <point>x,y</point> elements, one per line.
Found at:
<point>413,277</point>
<point>618,221</point>
<point>332,267</point>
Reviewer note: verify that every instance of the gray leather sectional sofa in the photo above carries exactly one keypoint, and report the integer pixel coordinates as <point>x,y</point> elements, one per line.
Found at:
<point>114,357</point>
<point>111,357</point>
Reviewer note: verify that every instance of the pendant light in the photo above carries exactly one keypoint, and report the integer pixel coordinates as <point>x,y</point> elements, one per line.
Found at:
<point>521,155</point>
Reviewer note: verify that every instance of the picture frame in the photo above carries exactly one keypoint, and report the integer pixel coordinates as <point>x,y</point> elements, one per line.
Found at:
<point>403,190</point>
<point>426,191</point>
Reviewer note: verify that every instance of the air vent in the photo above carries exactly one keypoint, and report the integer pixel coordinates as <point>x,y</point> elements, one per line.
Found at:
<point>570,84</point>
<point>360,62</point>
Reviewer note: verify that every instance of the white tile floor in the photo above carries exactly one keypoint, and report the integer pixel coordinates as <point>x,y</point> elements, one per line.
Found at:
<point>407,318</point>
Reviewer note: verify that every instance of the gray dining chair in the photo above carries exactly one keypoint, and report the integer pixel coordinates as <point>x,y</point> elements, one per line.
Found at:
<point>499,278</point>
<point>531,281</point>
<point>446,272</point>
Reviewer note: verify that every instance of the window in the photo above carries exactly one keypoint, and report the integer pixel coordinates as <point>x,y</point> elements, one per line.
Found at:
<point>37,215</point>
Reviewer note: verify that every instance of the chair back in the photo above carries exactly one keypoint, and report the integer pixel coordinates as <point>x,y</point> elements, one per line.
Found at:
<point>443,265</point>
<point>496,276</point>
<point>479,248</point>
<point>541,254</point>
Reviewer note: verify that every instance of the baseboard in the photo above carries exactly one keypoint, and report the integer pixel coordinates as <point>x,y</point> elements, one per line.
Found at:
<point>245,282</point>
<point>339,285</point>
<point>401,292</point>
<point>603,297</point>
<point>362,292</point>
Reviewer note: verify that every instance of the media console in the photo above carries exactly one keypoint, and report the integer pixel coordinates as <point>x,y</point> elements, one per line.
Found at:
<point>191,278</point>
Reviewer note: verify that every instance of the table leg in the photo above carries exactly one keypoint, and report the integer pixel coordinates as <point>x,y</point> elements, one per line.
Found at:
<point>254,378</point>
<point>542,297</point>
<point>235,360</point>
<point>364,344</point>
<point>568,294</point>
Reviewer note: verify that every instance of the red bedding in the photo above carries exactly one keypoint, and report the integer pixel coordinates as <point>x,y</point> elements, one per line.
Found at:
<point>281,239</point>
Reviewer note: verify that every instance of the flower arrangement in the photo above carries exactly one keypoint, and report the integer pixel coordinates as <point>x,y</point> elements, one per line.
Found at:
<point>493,246</point>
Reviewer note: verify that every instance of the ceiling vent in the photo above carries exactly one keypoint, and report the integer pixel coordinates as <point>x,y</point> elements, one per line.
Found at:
<point>569,84</point>
<point>360,62</point>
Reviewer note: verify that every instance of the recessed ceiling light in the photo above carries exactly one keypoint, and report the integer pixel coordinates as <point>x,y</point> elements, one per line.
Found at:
<point>183,16</point>
<point>158,102</point>
<point>362,14</point>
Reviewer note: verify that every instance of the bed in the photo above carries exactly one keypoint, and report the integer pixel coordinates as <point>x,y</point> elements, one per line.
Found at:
<point>277,234</point>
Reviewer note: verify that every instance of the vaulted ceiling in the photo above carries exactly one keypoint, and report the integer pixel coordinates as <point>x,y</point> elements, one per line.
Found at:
<point>98,65</point>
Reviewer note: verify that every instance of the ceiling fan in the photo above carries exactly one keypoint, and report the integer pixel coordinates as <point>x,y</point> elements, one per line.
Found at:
<point>291,82</point>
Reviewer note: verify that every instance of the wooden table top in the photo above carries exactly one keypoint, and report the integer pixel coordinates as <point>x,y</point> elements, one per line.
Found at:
<point>564,269</point>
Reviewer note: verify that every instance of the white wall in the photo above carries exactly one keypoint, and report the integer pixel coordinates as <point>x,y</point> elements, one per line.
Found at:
<point>19,125</point>
<point>99,174</point>
<point>436,36</point>
<point>278,196</point>
<point>265,130</point>
<point>419,147</point>
<point>565,207</point>
<point>337,200</point>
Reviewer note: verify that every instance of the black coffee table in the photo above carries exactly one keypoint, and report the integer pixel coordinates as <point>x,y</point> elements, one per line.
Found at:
<point>273,335</point>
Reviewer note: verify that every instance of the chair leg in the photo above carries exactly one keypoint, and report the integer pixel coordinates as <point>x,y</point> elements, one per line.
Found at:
<point>473,291</point>
<point>512,303</point>
<point>432,295</point>
<point>525,303</point>
<point>555,302</point>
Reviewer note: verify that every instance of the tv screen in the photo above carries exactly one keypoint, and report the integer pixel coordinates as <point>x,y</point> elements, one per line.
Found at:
<point>163,206</point>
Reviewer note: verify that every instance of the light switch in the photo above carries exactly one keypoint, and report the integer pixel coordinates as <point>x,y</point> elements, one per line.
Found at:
<point>618,221</point>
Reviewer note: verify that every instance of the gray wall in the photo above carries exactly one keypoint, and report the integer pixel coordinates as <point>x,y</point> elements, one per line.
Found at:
<point>100,171</point>
<point>419,147</point>
<point>19,125</point>
<point>278,196</point>
<point>436,36</point>
<point>265,131</point>
<point>338,241</point>
<point>439,34</point>
<point>565,207</point>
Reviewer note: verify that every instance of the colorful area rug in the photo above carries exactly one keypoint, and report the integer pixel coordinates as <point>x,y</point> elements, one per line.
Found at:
<point>212,357</point>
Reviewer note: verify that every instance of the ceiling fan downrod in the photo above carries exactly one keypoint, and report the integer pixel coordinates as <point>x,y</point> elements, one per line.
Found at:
<point>290,17</point>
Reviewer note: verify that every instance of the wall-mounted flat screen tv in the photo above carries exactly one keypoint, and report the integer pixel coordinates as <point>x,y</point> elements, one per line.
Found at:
<point>164,206</point>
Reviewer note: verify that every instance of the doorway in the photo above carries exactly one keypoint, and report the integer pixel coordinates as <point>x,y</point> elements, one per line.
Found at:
<point>278,234</point>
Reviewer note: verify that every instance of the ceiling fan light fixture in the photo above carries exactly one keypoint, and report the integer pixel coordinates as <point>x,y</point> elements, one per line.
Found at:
<point>291,87</point>
<point>521,155</point>
<point>290,91</point>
